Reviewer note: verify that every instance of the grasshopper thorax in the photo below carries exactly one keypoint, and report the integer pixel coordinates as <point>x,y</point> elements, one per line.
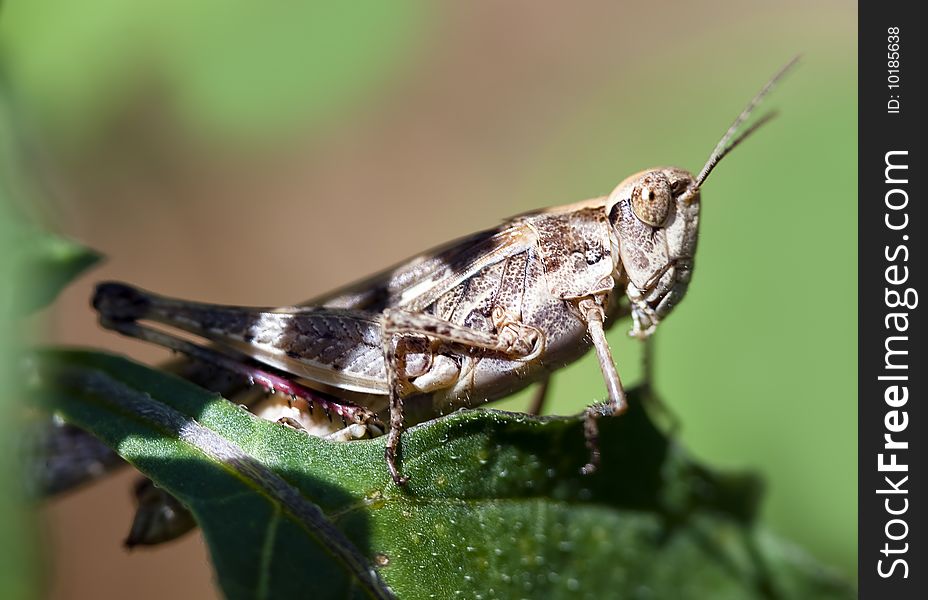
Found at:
<point>655,222</point>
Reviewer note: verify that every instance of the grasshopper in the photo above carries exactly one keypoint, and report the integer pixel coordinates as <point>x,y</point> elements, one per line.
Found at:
<point>466,323</point>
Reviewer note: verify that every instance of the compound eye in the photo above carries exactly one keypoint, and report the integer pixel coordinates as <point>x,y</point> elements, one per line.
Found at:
<point>651,200</point>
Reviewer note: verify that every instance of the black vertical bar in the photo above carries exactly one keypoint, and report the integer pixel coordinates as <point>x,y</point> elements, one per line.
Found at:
<point>893,437</point>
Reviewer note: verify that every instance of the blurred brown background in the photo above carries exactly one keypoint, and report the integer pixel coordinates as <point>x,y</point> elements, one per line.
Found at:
<point>472,112</point>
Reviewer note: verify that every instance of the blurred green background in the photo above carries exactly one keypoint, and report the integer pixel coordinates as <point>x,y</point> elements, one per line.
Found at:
<point>262,153</point>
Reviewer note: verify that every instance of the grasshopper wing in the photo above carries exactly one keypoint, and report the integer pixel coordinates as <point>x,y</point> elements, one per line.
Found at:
<point>417,282</point>
<point>337,347</point>
<point>335,340</point>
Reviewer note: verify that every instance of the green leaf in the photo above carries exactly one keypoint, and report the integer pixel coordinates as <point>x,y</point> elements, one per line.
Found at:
<point>20,570</point>
<point>44,264</point>
<point>496,506</point>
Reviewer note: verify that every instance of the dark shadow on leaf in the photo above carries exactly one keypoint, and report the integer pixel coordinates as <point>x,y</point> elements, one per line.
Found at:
<point>267,538</point>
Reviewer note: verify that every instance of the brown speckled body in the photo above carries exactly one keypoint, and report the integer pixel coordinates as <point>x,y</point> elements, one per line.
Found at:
<point>534,268</point>
<point>526,279</point>
<point>466,323</point>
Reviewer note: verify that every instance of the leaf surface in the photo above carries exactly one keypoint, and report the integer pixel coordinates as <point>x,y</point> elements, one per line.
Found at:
<point>496,506</point>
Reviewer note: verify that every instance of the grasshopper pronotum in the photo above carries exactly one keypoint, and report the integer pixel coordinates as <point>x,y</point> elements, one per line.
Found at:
<point>466,323</point>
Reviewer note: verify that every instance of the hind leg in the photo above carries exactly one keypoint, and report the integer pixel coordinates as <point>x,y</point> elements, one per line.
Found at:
<point>514,341</point>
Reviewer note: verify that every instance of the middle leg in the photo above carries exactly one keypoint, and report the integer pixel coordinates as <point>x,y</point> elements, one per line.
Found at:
<point>594,315</point>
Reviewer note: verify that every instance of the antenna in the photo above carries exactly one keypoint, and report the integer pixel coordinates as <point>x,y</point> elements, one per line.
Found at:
<point>724,147</point>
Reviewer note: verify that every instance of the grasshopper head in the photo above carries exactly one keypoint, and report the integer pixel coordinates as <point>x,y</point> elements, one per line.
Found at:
<point>655,219</point>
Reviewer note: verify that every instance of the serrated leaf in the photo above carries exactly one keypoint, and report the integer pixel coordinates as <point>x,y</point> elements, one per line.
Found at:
<point>496,506</point>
